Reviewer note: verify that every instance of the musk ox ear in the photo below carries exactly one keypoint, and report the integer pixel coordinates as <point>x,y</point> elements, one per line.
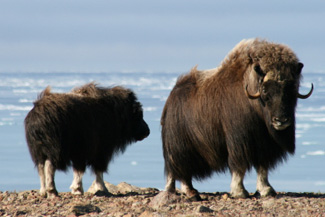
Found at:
<point>300,66</point>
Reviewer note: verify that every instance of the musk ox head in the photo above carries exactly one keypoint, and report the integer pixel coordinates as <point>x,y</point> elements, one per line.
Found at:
<point>138,129</point>
<point>274,74</point>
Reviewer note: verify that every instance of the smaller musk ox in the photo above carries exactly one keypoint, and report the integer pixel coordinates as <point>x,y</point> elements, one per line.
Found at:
<point>238,116</point>
<point>85,127</point>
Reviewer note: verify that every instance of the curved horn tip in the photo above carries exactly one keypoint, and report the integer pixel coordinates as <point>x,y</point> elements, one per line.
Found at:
<point>300,96</point>
<point>255,96</point>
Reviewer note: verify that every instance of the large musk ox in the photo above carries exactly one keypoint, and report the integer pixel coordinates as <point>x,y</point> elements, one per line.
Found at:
<point>237,116</point>
<point>85,127</point>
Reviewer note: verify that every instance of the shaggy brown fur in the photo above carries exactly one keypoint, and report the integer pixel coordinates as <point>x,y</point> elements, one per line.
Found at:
<point>86,127</point>
<point>210,125</point>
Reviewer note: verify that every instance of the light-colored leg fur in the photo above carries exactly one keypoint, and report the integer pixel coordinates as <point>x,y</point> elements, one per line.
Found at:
<point>170,184</point>
<point>262,185</point>
<point>99,184</point>
<point>188,189</point>
<point>76,186</point>
<point>40,168</point>
<point>237,186</point>
<point>49,171</point>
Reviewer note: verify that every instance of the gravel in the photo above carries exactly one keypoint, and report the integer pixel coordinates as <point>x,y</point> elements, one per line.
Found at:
<point>127,200</point>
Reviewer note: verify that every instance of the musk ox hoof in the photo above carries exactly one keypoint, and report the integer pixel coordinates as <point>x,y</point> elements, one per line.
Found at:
<point>43,193</point>
<point>193,195</point>
<point>77,191</point>
<point>99,189</point>
<point>195,198</point>
<point>52,194</point>
<point>240,194</point>
<point>268,192</point>
<point>103,193</point>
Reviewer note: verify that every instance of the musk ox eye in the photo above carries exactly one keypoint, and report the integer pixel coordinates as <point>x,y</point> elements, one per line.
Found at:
<point>265,94</point>
<point>264,90</point>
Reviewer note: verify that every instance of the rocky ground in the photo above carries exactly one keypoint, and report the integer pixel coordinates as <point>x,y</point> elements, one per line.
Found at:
<point>128,200</point>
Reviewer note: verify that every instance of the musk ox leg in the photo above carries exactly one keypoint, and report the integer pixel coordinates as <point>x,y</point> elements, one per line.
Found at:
<point>170,184</point>
<point>188,189</point>
<point>40,168</point>
<point>76,186</point>
<point>99,185</point>
<point>49,171</point>
<point>263,186</point>
<point>237,186</point>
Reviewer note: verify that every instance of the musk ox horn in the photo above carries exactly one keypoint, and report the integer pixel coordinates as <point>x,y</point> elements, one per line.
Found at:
<point>307,95</point>
<point>255,96</point>
<point>269,76</point>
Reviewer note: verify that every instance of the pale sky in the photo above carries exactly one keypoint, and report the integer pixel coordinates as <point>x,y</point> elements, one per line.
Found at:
<point>148,35</point>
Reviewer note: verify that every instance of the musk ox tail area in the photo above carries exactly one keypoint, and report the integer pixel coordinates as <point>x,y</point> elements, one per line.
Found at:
<point>43,135</point>
<point>45,128</point>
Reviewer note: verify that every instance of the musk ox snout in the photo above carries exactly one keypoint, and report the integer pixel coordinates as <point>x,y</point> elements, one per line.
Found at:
<point>281,123</point>
<point>142,131</point>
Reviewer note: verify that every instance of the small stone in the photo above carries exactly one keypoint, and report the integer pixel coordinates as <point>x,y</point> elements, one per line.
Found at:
<point>124,187</point>
<point>21,213</point>
<point>85,209</point>
<point>2,212</point>
<point>268,203</point>
<point>44,205</point>
<point>136,204</point>
<point>204,197</point>
<point>146,201</point>
<point>164,198</point>
<point>202,209</point>
<point>146,214</point>
<point>111,188</point>
<point>225,196</point>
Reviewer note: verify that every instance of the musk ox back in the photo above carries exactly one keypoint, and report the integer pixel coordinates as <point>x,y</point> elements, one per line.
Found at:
<point>85,127</point>
<point>237,116</point>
